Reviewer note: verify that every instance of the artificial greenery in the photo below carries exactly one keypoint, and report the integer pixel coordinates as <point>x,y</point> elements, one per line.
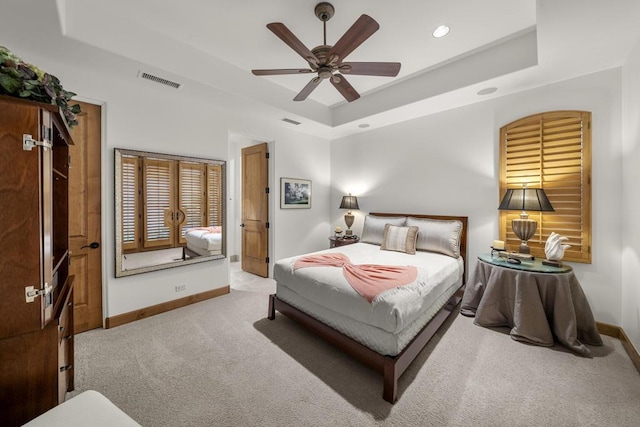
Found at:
<point>23,80</point>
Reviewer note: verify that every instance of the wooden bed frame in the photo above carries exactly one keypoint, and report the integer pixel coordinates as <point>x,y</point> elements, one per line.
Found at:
<point>391,367</point>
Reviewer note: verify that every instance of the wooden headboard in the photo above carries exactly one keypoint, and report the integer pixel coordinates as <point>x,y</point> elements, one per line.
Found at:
<point>463,237</point>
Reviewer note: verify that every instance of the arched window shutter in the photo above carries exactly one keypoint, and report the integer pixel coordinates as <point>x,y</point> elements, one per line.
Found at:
<point>552,151</point>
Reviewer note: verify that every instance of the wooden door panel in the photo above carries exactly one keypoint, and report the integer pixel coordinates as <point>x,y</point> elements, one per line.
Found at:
<point>85,218</point>
<point>255,210</point>
<point>81,298</point>
<point>253,243</point>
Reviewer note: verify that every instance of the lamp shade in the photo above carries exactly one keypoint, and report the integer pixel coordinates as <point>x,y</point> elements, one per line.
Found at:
<point>525,199</point>
<point>349,202</point>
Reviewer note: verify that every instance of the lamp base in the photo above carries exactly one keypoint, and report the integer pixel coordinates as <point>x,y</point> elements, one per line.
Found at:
<point>524,248</point>
<point>552,263</point>
<point>348,219</point>
<point>524,229</point>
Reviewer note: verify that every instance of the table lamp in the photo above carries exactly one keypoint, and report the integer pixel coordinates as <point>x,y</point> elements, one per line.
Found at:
<point>525,199</point>
<point>349,202</point>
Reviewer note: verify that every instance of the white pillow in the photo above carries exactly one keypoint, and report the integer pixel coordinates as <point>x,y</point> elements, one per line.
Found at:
<point>373,229</point>
<point>438,235</point>
<point>399,239</point>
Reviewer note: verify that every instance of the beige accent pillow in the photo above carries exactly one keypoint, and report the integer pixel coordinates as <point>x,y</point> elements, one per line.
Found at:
<point>399,239</point>
<point>373,230</point>
<point>438,235</point>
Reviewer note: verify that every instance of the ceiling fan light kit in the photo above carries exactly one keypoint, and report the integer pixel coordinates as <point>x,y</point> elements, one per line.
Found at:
<point>327,60</point>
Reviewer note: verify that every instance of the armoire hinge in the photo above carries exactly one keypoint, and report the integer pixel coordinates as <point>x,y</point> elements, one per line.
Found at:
<point>30,293</point>
<point>266,190</point>
<point>267,225</point>
<point>266,155</point>
<point>267,260</point>
<point>28,143</point>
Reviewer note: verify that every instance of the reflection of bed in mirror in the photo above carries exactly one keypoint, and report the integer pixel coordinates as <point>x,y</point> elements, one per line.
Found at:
<point>165,204</point>
<point>134,261</point>
<point>202,241</point>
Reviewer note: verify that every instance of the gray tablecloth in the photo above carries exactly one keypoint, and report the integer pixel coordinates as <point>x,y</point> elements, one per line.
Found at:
<point>537,306</point>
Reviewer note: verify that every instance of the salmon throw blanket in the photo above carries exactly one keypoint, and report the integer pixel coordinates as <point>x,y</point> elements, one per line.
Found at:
<point>369,280</point>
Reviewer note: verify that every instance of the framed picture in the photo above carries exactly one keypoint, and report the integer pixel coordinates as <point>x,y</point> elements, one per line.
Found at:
<point>295,193</point>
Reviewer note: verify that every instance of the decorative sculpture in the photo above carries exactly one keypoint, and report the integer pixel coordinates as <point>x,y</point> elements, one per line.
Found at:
<point>554,249</point>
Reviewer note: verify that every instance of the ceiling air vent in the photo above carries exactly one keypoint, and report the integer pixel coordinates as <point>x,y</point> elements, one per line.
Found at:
<point>293,122</point>
<point>160,80</point>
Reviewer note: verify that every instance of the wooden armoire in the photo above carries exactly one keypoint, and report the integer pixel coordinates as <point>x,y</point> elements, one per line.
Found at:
<point>36,291</point>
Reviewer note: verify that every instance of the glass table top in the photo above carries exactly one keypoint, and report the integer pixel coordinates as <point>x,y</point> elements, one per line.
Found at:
<point>534,266</point>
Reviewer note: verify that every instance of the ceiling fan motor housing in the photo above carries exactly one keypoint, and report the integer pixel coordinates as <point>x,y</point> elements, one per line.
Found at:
<point>321,53</point>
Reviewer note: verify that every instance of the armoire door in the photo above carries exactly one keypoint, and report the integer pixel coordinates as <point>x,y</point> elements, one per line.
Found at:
<point>21,234</point>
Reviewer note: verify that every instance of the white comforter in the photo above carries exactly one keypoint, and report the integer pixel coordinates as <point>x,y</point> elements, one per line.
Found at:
<point>391,310</point>
<point>204,238</point>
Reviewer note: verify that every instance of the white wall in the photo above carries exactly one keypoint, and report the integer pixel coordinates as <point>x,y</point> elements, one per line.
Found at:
<point>631,198</point>
<point>447,163</point>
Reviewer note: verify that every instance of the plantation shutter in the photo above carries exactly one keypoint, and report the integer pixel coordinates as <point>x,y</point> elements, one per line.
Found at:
<point>214,195</point>
<point>130,200</point>
<point>192,197</point>
<point>550,151</point>
<point>158,202</point>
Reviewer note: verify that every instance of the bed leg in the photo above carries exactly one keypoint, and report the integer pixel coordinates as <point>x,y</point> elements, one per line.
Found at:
<point>390,384</point>
<point>272,307</point>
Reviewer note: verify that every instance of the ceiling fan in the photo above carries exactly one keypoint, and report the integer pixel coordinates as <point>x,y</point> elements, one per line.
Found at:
<point>327,60</point>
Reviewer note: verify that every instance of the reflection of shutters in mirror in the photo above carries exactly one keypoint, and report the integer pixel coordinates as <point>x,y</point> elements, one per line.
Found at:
<point>159,197</point>
<point>191,192</point>
<point>176,196</point>
<point>130,199</point>
<point>214,195</point>
<point>551,151</point>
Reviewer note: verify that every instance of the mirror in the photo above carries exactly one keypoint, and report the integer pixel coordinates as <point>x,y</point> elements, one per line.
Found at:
<point>170,211</point>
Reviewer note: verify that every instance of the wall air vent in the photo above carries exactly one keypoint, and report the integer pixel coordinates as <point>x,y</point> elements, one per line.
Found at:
<point>160,80</point>
<point>293,122</point>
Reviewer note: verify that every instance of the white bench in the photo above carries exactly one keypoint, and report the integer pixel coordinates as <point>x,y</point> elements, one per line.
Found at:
<point>89,408</point>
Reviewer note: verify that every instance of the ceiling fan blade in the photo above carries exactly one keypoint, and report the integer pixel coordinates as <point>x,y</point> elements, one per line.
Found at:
<point>361,30</point>
<point>281,71</point>
<point>306,91</point>
<point>344,87</point>
<point>387,69</point>
<point>280,30</point>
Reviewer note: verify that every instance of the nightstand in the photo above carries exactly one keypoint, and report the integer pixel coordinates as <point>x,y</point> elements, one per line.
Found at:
<point>335,242</point>
<point>539,303</point>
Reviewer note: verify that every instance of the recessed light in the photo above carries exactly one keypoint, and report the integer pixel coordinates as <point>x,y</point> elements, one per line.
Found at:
<point>364,125</point>
<point>441,31</point>
<point>487,90</point>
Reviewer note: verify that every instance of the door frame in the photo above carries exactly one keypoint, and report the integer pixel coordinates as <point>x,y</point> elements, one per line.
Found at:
<point>237,141</point>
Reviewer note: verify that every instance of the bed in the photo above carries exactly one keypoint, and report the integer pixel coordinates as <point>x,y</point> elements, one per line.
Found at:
<point>385,328</point>
<point>202,241</point>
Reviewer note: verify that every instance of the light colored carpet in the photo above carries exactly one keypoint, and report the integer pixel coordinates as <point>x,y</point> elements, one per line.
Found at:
<point>222,363</point>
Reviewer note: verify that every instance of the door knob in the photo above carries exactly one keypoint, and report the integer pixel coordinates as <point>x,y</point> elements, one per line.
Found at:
<point>92,245</point>
<point>241,225</point>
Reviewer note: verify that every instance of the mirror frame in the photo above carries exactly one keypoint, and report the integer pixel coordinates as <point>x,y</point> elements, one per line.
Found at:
<point>118,153</point>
